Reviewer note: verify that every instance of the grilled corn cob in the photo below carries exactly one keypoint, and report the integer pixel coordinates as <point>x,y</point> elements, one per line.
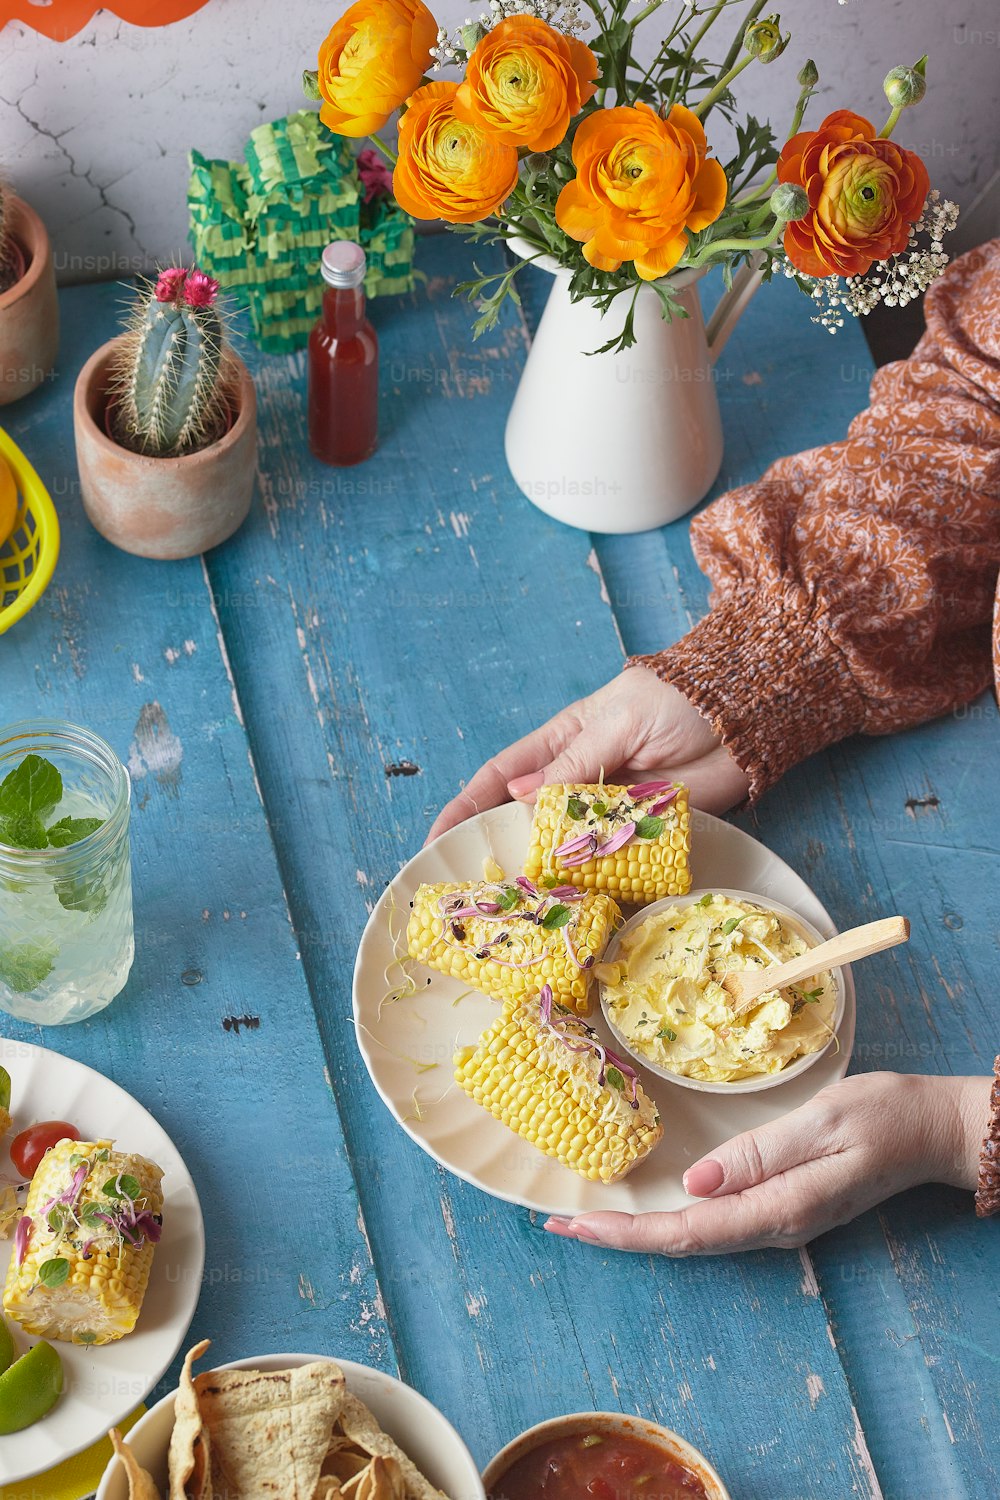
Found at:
<point>631,841</point>
<point>84,1246</point>
<point>508,938</point>
<point>547,1075</point>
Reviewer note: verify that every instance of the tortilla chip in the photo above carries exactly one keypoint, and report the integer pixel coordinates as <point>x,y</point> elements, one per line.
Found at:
<point>358,1423</point>
<point>189,1463</point>
<point>270,1430</point>
<point>140,1484</point>
<point>329,1489</point>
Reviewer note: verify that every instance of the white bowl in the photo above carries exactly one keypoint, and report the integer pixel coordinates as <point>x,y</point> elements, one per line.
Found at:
<point>417,1426</point>
<point>610,1422</point>
<point>740,1085</point>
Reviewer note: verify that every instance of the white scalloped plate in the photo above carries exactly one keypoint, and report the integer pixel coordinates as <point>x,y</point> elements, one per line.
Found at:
<point>399,1037</point>
<point>103,1385</point>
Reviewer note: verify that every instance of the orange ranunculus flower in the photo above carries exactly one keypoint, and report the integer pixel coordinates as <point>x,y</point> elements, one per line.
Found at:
<point>447,168</point>
<point>641,181</point>
<point>864,193</point>
<point>524,83</point>
<point>372,60</point>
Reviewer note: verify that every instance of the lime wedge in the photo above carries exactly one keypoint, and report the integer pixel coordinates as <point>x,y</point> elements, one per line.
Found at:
<point>7,1350</point>
<point>30,1388</point>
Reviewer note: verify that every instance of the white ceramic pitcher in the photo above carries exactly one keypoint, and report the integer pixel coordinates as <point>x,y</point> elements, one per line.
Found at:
<point>621,442</point>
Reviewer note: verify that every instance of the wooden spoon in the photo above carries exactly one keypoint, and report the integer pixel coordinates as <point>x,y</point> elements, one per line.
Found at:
<point>747,985</point>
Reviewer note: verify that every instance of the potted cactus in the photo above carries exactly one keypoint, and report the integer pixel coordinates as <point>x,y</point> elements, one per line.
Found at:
<point>166,424</point>
<point>29,309</point>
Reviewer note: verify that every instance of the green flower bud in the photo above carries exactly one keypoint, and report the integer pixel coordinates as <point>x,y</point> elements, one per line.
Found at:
<point>536,162</point>
<point>310,84</point>
<point>470,36</point>
<point>904,86</point>
<point>809,74</point>
<point>788,201</point>
<point>763,39</point>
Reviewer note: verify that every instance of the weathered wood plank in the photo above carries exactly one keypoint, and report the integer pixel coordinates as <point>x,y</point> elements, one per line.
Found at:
<point>132,649</point>
<point>419,610</point>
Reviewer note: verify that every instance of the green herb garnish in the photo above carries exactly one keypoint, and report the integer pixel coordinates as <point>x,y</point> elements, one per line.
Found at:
<point>509,897</point>
<point>811,996</point>
<point>71,830</point>
<point>23,830</point>
<point>86,1337</point>
<point>731,924</point>
<point>599,808</point>
<point>615,1078</point>
<point>550,882</point>
<point>577,808</point>
<point>667,1034</point>
<point>649,828</point>
<point>24,966</point>
<point>122,1187</point>
<point>556,916</point>
<point>705,900</point>
<point>34,786</point>
<point>53,1273</point>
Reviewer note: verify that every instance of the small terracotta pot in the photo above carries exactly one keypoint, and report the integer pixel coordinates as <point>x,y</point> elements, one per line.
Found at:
<point>608,1423</point>
<point>164,508</point>
<point>29,310</point>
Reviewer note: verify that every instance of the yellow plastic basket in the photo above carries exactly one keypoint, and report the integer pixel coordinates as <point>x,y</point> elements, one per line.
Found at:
<point>29,555</point>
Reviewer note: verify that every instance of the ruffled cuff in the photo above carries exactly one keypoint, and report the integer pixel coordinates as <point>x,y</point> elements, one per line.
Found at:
<point>764,671</point>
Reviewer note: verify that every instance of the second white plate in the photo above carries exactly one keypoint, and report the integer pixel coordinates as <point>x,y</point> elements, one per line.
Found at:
<point>408,1043</point>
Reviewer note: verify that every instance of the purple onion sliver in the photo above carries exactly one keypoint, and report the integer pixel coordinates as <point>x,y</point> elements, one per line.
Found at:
<point>526,885</point>
<point>22,1234</point>
<point>649,788</point>
<point>567,893</point>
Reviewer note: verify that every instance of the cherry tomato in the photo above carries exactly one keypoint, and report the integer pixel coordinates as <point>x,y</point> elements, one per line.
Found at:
<point>28,1148</point>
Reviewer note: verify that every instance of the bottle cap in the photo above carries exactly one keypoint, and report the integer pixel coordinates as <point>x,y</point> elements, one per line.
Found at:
<point>343,264</point>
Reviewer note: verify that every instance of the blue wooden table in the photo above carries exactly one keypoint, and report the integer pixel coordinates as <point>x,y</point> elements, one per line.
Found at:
<point>265,697</point>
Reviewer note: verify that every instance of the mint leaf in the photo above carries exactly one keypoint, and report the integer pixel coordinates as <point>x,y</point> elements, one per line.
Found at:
<point>122,1187</point>
<point>649,828</point>
<point>556,916</point>
<point>22,830</point>
<point>54,1272</point>
<point>24,966</point>
<point>577,808</point>
<point>706,900</point>
<point>71,830</point>
<point>599,809</point>
<point>34,786</point>
<point>550,882</point>
<point>510,898</point>
<point>81,893</point>
<point>85,1337</point>
<point>615,1078</point>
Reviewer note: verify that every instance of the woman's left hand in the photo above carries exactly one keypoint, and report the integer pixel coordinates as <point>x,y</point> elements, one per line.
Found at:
<point>856,1143</point>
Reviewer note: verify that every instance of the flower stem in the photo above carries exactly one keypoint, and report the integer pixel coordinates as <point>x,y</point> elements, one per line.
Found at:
<point>737,45</point>
<point>890,124</point>
<point>713,15</point>
<point>720,88</point>
<point>715,246</point>
<point>386,151</point>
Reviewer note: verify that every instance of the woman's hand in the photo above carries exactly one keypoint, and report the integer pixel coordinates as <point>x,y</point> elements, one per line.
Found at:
<point>636,724</point>
<point>856,1143</point>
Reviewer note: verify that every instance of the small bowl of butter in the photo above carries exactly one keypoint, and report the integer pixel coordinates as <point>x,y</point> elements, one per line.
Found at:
<point>663,998</point>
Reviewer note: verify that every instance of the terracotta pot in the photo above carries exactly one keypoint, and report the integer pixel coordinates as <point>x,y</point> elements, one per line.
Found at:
<point>163,507</point>
<point>605,1422</point>
<point>29,310</point>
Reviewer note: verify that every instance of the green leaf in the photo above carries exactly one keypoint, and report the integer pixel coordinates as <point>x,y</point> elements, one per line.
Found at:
<point>53,1273</point>
<point>24,966</point>
<point>600,808</point>
<point>556,916</point>
<point>509,898</point>
<point>71,830</point>
<point>577,808</point>
<point>82,893</point>
<point>23,830</point>
<point>731,924</point>
<point>85,1337</point>
<point>667,1033</point>
<point>34,786</point>
<point>615,1078</point>
<point>122,1187</point>
<point>550,882</point>
<point>649,828</point>
<point>4,1089</point>
<point>811,996</point>
<point>705,900</point>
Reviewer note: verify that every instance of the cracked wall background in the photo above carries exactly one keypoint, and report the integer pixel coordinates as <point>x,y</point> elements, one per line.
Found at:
<point>95,131</point>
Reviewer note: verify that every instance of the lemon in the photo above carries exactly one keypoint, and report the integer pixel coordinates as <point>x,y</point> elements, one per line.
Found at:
<point>6,1346</point>
<point>8,500</point>
<point>30,1388</point>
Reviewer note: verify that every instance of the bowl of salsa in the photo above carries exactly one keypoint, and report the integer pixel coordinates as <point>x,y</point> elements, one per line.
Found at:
<point>601,1456</point>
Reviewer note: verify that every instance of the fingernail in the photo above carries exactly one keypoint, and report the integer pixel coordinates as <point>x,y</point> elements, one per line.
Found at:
<point>704,1178</point>
<point>523,786</point>
<point>570,1231</point>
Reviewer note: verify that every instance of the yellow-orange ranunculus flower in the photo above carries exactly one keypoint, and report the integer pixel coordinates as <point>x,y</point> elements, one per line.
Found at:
<point>641,181</point>
<point>524,83</point>
<point>447,168</point>
<point>372,60</point>
<point>864,193</point>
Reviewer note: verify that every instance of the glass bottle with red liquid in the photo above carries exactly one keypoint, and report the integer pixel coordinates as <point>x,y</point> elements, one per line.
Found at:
<point>343,363</point>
